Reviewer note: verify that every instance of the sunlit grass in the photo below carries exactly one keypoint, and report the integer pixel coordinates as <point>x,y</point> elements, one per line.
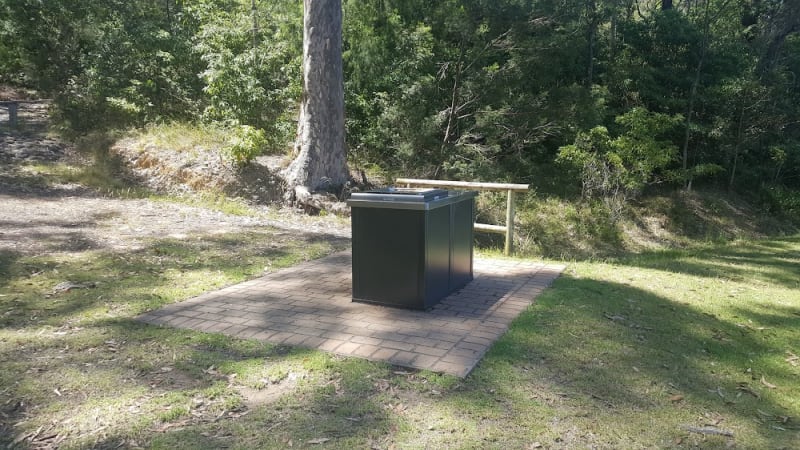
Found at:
<point>624,351</point>
<point>630,352</point>
<point>182,136</point>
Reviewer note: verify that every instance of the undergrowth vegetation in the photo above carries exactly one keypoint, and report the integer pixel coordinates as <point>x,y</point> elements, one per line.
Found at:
<point>573,229</point>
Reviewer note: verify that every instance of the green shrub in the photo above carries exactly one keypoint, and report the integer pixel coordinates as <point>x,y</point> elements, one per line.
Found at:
<point>781,201</point>
<point>246,143</point>
<point>616,169</point>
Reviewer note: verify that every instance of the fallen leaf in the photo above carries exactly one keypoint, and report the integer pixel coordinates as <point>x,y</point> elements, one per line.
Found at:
<point>319,441</point>
<point>764,414</point>
<point>744,388</point>
<point>21,437</point>
<point>709,430</point>
<point>676,398</point>
<point>767,384</point>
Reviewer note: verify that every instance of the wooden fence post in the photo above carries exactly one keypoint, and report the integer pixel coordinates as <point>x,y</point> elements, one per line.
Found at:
<point>12,114</point>
<point>507,229</point>
<point>509,248</point>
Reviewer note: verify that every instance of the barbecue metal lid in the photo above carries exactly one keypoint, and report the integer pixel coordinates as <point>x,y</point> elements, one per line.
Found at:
<point>396,194</point>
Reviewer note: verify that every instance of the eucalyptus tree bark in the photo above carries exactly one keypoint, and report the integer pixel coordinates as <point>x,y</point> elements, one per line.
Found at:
<point>321,158</point>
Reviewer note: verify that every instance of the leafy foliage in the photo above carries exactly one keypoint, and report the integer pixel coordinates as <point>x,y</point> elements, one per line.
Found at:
<point>616,169</point>
<point>247,143</point>
<point>459,89</point>
<point>252,77</point>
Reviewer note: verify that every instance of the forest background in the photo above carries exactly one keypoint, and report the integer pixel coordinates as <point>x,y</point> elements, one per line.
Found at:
<point>601,103</point>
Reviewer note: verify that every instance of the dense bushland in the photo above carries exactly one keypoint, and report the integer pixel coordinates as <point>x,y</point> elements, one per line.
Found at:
<point>597,99</point>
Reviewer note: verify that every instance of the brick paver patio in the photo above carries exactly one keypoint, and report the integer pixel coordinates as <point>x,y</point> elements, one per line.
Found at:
<point>310,305</point>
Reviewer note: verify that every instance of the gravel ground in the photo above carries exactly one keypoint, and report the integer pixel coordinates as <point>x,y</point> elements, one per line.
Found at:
<point>37,216</point>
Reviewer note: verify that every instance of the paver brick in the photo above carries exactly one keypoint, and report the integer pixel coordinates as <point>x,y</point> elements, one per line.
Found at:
<point>425,361</point>
<point>347,348</point>
<point>295,339</point>
<point>308,331</point>
<point>313,341</point>
<point>340,335</point>
<point>470,346</point>
<point>212,326</point>
<point>460,359</point>
<point>263,335</point>
<point>451,368</point>
<point>432,351</point>
<point>280,337</point>
<point>478,340</point>
<point>384,354</point>
<point>365,350</point>
<point>191,323</point>
<point>403,358</point>
<point>450,337</point>
<point>365,340</point>
<point>310,305</point>
<point>397,345</point>
<point>329,345</point>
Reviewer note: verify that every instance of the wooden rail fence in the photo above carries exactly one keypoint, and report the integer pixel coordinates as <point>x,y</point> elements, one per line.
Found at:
<point>12,107</point>
<point>507,229</point>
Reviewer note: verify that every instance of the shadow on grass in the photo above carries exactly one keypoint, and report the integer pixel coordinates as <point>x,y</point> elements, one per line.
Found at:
<point>641,361</point>
<point>68,342</point>
<point>7,261</point>
<point>144,279</point>
<point>774,261</point>
<point>593,363</point>
<point>345,412</point>
<point>168,388</point>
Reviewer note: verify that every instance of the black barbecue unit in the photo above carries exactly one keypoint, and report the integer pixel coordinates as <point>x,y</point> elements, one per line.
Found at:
<point>411,247</point>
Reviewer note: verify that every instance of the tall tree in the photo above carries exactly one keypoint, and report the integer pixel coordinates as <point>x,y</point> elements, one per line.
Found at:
<point>321,161</point>
<point>782,19</point>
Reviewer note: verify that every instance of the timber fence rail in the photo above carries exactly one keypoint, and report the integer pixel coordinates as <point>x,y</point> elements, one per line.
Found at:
<point>507,229</point>
<point>12,106</point>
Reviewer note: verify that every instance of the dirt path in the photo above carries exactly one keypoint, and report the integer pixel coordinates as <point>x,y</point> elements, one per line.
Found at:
<point>39,215</point>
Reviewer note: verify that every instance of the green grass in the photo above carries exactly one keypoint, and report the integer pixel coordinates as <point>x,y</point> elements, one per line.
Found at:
<point>567,229</point>
<point>182,137</point>
<point>629,352</point>
<point>620,354</point>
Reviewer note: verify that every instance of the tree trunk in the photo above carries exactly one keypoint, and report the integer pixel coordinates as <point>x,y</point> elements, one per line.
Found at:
<point>591,12</point>
<point>783,21</point>
<point>737,146</point>
<point>254,13</point>
<point>321,161</point>
<point>453,110</point>
<point>692,97</point>
<point>666,4</point>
